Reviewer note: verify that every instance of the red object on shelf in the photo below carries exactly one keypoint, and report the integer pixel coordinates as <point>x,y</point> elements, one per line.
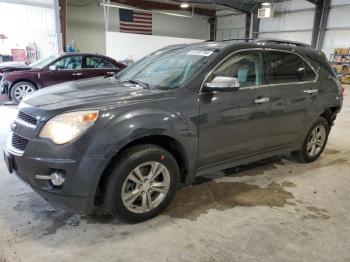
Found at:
<point>19,55</point>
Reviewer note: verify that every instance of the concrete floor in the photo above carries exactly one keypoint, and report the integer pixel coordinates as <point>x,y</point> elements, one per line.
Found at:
<point>273,210</point>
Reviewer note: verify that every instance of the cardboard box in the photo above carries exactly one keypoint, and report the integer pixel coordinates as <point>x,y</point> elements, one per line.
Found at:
<point>338,68</point>
<point>344,51</point>
<point>337,51</point>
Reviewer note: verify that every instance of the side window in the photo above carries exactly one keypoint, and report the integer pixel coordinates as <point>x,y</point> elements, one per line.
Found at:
<point>96,62</point>
<point>69,63</point>
<point>287,68</point>
<point>247,67</point>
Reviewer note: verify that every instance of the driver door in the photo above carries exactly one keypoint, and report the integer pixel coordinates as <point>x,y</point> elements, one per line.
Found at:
<point>67,69</point>
<point>232,123</point>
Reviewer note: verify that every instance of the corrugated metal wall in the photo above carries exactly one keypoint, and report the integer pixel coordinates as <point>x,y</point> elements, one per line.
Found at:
<point>230,27</point>
<point>293,21</point>
<point>338,27</point>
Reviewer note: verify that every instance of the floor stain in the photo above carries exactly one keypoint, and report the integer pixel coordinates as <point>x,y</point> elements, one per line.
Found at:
<point>288,184</point>
<point>53,218</point>
<point>336,161</point>
<point>316,213</point>
<point>330,151</point>
<point>191,202</point>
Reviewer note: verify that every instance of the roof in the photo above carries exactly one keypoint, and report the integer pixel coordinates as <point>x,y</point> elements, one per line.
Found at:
<point>211,45</point>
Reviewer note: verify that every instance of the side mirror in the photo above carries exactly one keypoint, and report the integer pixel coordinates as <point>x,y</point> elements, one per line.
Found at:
<point>223,84</point>
<point>52,68</point>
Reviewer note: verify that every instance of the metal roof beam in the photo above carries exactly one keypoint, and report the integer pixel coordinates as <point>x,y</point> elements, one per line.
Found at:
<point>243,6</point>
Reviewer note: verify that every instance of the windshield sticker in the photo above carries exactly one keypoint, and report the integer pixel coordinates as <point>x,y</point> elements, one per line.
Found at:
<point>200,52</point>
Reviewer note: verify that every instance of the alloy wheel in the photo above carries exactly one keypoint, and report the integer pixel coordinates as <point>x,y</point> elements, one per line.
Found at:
<point>22,90</point>
<point>316,140</point>
<point>146,187</point>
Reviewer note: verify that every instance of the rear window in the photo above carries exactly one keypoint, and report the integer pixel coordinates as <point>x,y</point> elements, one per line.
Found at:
<point>288,68</point>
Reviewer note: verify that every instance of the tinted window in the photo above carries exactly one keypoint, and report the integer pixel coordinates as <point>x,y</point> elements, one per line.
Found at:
<point>97,62</point>
<point>286,68</point>
<point>69,63</point>
<point>247,67</point>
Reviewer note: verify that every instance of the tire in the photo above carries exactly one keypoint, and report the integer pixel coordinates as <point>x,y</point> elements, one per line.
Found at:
<point>306,154</point>
<point>20,90</point>
<point>119,186</point>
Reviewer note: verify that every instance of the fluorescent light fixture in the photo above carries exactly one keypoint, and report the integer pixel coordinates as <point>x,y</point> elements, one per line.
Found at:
<point>266,4</point>
<point>184,5</point>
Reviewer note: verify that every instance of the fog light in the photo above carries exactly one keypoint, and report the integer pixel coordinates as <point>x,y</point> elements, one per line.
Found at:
<point>57,178</point>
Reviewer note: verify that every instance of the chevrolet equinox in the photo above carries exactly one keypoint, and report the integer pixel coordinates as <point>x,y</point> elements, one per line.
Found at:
<point>126,142</point>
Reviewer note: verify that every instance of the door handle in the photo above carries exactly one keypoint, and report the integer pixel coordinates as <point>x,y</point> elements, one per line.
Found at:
<point>261,100</point>
<point>77,74</point>
<point>311,91</point>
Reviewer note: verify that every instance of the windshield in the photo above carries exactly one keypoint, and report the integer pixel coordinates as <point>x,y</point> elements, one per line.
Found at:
<point>166,69</point>
<point>44,61</point>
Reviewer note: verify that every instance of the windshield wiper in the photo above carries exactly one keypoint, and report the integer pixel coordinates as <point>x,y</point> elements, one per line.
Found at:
<point>137,82</point>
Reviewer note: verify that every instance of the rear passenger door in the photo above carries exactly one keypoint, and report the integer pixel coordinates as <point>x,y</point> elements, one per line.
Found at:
<point>98,66</point>
<point>293,90</point>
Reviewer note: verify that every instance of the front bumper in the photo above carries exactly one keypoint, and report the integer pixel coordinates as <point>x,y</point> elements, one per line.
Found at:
<point>73,196</point>
<point>3,87</point>
<point>82,175</point>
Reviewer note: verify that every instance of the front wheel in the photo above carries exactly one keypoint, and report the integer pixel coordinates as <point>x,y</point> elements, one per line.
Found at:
<point>314,142</point>
<point>20,90</point>
<point>142,183</point>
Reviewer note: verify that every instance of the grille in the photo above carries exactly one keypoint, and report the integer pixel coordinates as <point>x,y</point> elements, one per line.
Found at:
<point>27,118</point>
<point>19,142</point>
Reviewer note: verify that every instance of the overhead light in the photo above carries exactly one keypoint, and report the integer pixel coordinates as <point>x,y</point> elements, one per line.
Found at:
<point>184,5</point>
<point>266,4</point>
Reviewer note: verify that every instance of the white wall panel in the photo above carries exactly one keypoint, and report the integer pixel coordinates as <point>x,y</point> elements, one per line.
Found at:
<point>85,26</point>
<point>121,46</point>
<point>293,5</point>
<point>286,22</point>
<point>340,2</point>
<point>335,36</point>
<point>230,27</point>
<point>339,16</point>
<point>303,37</point>
<point>335,39</point>
<point>293,20</point>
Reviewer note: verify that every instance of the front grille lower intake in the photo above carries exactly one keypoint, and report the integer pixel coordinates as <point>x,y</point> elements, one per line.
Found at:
<point>18,142</point>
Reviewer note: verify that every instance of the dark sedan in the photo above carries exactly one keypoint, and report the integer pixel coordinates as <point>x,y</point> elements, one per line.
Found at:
<point>56,69</point>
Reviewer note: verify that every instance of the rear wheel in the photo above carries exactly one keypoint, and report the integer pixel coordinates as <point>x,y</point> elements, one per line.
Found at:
<point>314,142</point>
<point>20,90</point>
<point>142,183</point>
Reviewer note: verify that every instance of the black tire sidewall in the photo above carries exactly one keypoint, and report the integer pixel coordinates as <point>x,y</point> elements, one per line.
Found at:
<point>305,155</point>
<point>12,92</point>
<point>113,201</point>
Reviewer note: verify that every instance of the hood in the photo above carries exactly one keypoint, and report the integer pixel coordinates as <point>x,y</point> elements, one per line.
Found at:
<point>11,68</point>
<point>90,93</point>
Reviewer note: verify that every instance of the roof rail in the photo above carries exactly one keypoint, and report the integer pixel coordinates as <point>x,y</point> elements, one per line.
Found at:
<point>267,40</point>
<point>233,39</point>
<point>279,41</point>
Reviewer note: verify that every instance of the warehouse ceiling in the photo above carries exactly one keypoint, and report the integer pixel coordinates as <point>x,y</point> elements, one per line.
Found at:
<point>202,7</point>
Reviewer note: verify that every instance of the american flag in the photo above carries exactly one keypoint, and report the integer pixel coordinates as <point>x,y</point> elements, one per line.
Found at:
<point>135,22</point>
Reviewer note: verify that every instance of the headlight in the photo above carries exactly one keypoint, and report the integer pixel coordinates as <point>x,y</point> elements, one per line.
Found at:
<point>65,127</point>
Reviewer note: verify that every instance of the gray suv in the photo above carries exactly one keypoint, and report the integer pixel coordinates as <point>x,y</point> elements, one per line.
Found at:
<point>127,142</point>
